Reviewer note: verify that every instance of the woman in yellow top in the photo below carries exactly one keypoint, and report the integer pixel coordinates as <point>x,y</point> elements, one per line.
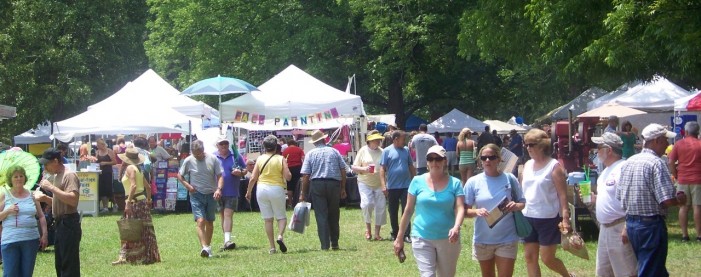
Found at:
<point>372,194</point>
<point>271,174</point>
<point>138,206</point>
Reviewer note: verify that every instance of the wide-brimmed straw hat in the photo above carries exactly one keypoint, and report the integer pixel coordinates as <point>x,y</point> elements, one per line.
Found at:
<point>317,135</point>
<point>374,136</point>
<point>132,156</point>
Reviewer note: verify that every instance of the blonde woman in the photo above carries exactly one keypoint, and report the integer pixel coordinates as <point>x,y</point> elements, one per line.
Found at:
<point>19,211</point>
<point>466,154</point>
<point>545,190</point>
<point>494,247</point>
<point>372,193</point>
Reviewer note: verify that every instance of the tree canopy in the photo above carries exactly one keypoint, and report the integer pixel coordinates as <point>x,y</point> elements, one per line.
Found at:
<point>491,59</point>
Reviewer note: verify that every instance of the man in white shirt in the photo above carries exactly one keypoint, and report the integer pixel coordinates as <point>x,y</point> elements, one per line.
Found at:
<point>614,256</point>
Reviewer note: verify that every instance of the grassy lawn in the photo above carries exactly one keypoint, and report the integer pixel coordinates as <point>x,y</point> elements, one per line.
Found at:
<point>179,248</point>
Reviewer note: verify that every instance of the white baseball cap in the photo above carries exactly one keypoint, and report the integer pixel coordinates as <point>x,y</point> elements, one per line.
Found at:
<point>655,130</point>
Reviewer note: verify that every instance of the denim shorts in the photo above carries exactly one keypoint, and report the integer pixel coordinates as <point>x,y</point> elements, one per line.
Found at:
<point>203,206</point>
<point>228,202</point>
<point>545,231</point>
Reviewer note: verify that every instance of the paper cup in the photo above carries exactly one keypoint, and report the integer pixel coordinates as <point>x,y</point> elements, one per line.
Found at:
<point>585,191</point>
<point>371,168</point>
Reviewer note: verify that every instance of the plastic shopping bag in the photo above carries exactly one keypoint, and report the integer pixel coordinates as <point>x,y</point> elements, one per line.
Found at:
<point>300,217</point>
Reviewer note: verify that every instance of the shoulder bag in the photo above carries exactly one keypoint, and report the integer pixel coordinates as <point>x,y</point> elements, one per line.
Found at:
<point>523,227</point>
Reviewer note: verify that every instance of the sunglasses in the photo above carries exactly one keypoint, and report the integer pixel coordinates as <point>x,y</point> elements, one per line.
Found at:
<point>528,145</point>
<point>437,159</point>
<point>491,158</point>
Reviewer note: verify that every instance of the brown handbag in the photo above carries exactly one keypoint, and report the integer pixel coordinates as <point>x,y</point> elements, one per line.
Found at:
<point>130,229</point>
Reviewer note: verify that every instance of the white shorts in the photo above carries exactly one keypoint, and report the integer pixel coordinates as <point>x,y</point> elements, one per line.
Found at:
<point>271,201</point>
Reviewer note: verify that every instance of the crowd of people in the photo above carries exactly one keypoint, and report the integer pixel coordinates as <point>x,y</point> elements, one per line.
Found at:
<point>634,193</point>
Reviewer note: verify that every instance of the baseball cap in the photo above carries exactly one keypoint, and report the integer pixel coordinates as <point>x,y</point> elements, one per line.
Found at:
<point>49,154</point>
<point>436,149</point>
<point>655,130</point>
<point>222,139</point>
<point>609,139</point>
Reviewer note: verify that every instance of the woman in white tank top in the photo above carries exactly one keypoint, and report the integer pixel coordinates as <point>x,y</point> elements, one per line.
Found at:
<point>545,190</point>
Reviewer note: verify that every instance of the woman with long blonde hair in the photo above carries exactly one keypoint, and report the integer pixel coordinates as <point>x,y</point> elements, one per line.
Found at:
<point>466,154</point>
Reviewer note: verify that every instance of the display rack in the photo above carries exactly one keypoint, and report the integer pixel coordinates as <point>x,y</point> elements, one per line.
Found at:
<point>166,179</point>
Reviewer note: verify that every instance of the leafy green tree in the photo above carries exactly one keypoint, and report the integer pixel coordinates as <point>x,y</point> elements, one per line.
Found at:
<point>56,57</point>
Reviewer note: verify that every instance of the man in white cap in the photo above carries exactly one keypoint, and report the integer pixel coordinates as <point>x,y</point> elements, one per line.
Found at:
<point>646,191</point>
<point>614,256</point>
<point>325,171</point>
<point>685,166</point>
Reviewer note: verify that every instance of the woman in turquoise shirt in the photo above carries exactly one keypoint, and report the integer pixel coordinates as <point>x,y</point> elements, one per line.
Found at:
<point>438,200</point>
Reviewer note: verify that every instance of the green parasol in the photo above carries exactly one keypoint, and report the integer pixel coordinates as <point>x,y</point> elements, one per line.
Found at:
<point>20,158</point>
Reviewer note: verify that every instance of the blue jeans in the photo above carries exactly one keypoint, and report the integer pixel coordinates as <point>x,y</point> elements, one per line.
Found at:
<point>19,257</point>
<point>648,237</point>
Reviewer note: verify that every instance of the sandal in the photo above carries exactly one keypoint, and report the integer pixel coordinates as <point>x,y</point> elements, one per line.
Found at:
<point>283,247</point>
<point>378,238</point>
<point>367,235</point>
<point>120,261</point>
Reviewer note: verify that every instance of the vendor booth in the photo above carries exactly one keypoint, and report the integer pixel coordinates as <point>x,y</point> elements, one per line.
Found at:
<point>504,128</point>
<point>656,98</point>
<point>292,99</point>
<point>454,121</point>
<point>578,105</point>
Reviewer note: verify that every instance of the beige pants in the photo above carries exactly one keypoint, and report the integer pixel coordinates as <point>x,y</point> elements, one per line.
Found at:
<point>613,258</point>
<point>435,256</point>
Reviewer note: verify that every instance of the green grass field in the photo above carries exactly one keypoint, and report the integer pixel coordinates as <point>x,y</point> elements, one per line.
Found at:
<point>179,249</point>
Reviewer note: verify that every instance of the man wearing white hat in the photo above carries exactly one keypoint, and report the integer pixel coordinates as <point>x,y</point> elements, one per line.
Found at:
<point>614,256</point>
<point>646,191</point>
<point>325,170</point>
<point>685,166</point>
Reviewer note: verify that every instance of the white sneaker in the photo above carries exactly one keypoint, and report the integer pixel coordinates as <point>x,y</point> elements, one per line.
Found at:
<point>209,252</point>
<point>204,253</point>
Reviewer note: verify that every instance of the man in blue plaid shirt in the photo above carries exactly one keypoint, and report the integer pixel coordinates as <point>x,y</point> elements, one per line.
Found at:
<point>646,191</point>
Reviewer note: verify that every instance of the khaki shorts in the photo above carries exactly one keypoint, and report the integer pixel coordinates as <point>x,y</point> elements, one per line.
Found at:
<point>693,193</point>
<point>484,252</point>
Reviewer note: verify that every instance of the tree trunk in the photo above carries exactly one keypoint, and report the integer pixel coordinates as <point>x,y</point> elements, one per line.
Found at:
<point>395,100</point>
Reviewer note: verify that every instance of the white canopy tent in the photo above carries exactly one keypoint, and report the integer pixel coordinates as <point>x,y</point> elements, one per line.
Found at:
<point>292,99</point>
<point>40,134</point>
<point>151,88</point>
<point>655,96</point>
<point>689,103</point>
<point>504,128</point>
<point>602,100</point>
<point>133,117</point>
<point>578,105</point>
<point>454,121</point>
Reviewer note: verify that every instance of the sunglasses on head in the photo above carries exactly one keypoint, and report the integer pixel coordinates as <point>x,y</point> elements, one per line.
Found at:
<point>434,158</point>
<point>528,145</point>
<point>491,158</point>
